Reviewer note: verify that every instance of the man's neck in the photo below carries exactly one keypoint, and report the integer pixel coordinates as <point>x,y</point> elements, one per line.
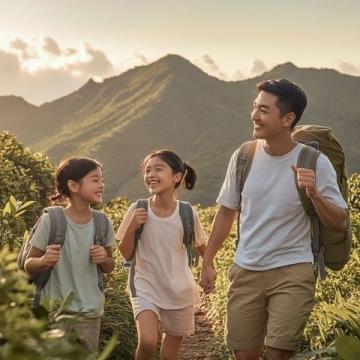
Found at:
<point>278,148</point>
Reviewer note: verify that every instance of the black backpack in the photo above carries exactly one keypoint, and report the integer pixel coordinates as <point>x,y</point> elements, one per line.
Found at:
<point>187,219</point>
<point>57,236</point>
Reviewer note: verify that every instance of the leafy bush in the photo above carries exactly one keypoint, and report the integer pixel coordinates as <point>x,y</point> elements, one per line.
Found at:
<point>25,175</point>
<point>118,316</point>
<point>25,333</point>
<point>22,335</point>
<point>12,226</point>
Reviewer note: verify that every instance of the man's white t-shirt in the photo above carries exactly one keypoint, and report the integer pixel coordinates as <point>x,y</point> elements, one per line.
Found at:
<point>275,230</point>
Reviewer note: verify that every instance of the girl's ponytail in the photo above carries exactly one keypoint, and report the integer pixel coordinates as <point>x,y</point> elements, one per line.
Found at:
<point>189,177</point>
<point>57,196</point>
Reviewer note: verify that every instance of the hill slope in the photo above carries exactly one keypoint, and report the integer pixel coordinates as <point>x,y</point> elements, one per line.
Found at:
<point>171,103</point>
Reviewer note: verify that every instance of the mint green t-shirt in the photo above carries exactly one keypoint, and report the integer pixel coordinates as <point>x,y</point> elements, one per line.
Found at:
<point>75,270</point>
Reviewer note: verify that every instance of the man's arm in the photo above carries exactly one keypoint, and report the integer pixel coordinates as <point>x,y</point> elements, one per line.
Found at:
<point>221,227</point>
<point>330,215</point>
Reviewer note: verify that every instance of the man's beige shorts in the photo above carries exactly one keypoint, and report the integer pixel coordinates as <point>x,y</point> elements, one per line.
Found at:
<point>275,303</point>
<point>175,322</point>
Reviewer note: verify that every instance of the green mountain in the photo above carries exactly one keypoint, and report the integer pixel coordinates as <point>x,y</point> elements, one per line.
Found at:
<point>171,103</point>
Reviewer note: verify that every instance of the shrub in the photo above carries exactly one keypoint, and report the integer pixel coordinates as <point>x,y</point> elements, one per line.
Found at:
<point>25,175</point>
<point>118,316</point>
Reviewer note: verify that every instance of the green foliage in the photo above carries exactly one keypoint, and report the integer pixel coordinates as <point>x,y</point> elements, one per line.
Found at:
<point>224,259</point>
<point>12,225</point>
<point>331,322</point>
<point>25,175</point>
<point>22,335</point>
<point>46,332</point>
<point>118,316</point>
<point>348,347</point>
<point>354,190</point>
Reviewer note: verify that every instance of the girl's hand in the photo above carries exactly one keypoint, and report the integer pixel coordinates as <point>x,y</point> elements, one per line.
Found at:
<point>98,254</point>
<point>139,217</point>
<point>207,279</point>
<point>51,256</point>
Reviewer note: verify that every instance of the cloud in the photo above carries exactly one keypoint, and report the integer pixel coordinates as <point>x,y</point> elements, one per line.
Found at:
<point>51,46</point>
<point>210,62</point>
<point>212,67</point>
<point>144,60</point>
<point>10,66</point>
<point>18,44</point>
<point>258,67</point>
<point>95,63</point>
<point>21,46</point>
<point>70,52</point>
<point>238,75</point>
<point>348,68</point>
<point>39,70</point>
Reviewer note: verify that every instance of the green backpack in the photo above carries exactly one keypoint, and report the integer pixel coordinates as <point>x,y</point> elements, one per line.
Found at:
<point>57,235</point>
<point>187,219</point>
<point>330,248</point>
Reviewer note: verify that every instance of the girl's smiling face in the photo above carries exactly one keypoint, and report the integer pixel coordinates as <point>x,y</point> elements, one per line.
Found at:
<point>89,188</point>
<point>159,176</point>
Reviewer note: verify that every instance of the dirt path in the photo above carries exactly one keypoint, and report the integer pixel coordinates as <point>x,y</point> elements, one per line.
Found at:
<point>202,345</point>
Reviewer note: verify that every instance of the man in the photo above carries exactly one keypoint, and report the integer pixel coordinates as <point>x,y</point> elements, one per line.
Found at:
<point>272,280</point>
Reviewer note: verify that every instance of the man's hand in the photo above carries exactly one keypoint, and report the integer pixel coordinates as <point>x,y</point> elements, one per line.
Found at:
<point>51,256</point>
<point>207,278</point>
<point>306,180</point>
<point>98,254</point>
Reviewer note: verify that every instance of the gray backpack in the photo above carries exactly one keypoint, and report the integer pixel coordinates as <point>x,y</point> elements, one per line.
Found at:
<point>57,236</point>
<point>330,248</point>
<point>187,219</point>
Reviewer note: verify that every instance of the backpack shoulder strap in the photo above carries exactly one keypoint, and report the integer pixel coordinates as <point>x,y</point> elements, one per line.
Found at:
<point>243,164</point>
<point>101,230</point>
<point>141,203</point>
<point>187,218</point>
<point>307,159</point>
<point>57,224</point>
<point>129,262</point>
<point>101,225</point>
<point>56,236</point>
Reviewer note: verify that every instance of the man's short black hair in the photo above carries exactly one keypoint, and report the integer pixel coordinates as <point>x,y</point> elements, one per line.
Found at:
<point>291,98</point>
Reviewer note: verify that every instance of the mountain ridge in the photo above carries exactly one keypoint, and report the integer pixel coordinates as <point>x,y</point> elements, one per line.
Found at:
<point>171,103</point>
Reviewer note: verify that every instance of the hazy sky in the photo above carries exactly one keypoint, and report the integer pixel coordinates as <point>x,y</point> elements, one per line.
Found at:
<point>50,48</point>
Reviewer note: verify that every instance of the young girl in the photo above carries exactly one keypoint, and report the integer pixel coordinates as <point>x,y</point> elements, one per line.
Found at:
<point>161,284</point>
<point>75,264</point>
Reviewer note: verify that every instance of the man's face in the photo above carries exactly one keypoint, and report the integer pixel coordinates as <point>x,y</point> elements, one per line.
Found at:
<point>266,117</point>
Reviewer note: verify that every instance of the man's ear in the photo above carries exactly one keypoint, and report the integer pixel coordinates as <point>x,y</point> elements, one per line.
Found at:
<point>288,119</point>
<point>73,186</point>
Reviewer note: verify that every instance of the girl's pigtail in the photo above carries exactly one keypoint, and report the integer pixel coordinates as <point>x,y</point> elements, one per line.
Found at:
<point>189,177</point>
<point>55,197</point>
